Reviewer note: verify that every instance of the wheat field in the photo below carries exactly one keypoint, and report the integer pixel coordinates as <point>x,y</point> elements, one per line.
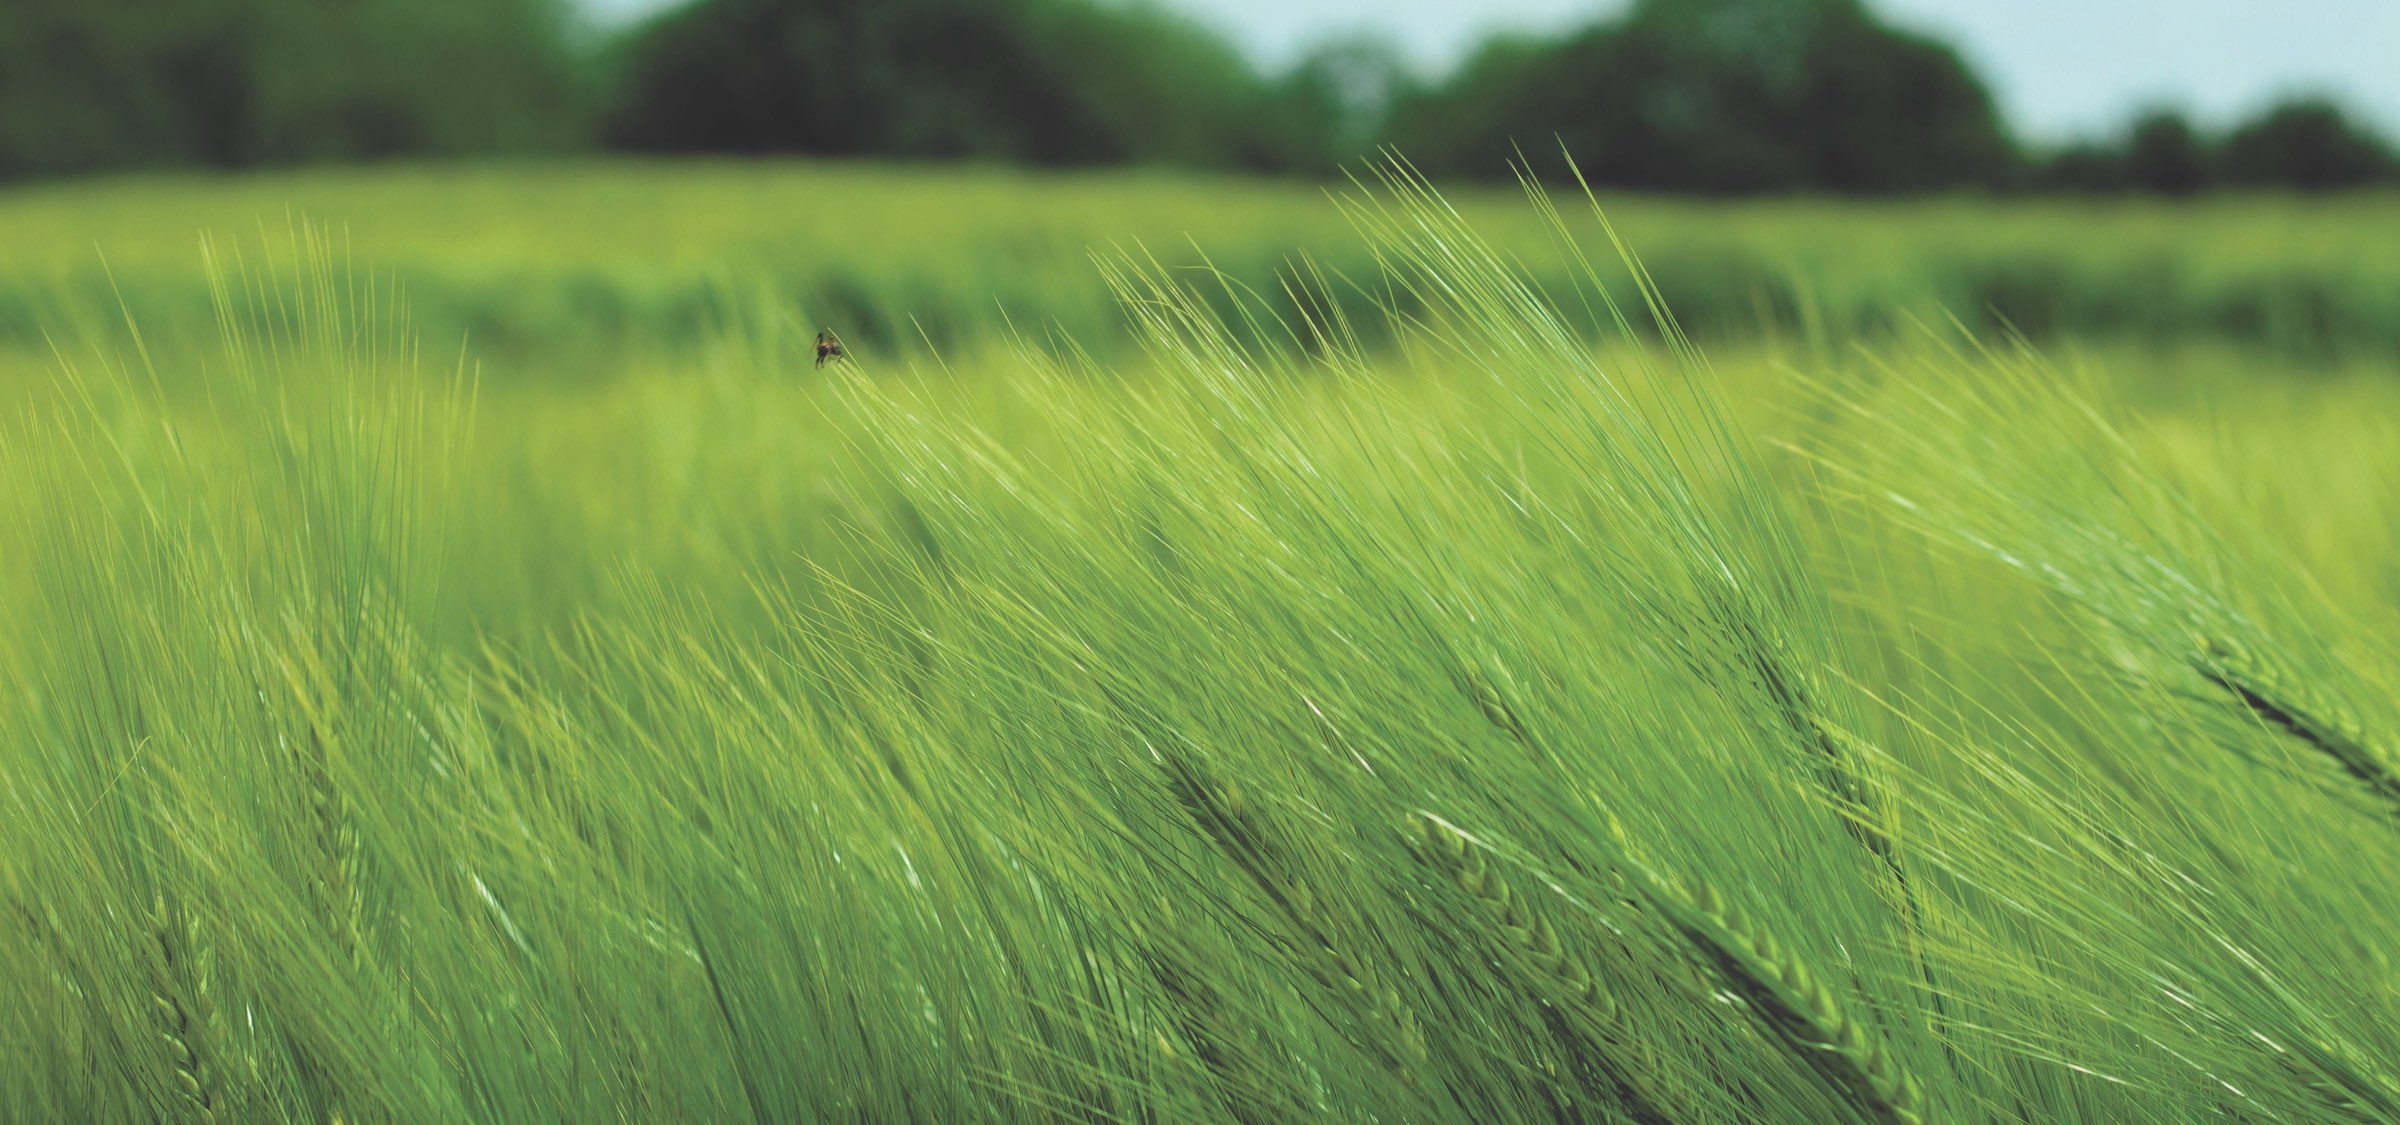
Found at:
<point>1213,651</point>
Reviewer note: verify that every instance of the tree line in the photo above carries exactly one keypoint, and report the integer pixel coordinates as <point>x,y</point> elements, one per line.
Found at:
<point>1674,95</point>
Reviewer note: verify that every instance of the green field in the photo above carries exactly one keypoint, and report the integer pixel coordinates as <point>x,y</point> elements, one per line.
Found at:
<point>461,661</point>
<point>542,260</point>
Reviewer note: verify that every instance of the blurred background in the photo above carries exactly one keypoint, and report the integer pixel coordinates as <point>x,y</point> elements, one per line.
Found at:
<point>586,188</point>
<point>1698,96</point>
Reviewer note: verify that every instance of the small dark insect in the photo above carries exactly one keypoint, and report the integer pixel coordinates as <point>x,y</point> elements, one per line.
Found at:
<point>828,347</point>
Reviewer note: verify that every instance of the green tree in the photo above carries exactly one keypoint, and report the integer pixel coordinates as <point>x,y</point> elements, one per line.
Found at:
<point>1722,95</point>
<point>94,85</point>
<point>1048,81</point>
<point>2164,155</point>
<point>2310,145</point>
<point>2086,167</point>
<point>1335,100</point>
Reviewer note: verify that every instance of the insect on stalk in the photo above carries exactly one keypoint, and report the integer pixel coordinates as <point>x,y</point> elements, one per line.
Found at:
<point>829,347</point>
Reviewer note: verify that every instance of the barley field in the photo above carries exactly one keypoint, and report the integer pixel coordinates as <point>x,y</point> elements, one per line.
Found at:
<point>1216,650</point>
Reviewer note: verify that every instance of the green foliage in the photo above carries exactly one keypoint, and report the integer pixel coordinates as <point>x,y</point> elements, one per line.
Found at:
<point>1700,96</point>
<point>1045,81</point>
<point>2306,144</point>
<point>1333,102</point>
<point>2165,156</point>
<point>2309,145</point>
<point>2085,168</point>
<point>88,87</point>
<point>1722,96</point>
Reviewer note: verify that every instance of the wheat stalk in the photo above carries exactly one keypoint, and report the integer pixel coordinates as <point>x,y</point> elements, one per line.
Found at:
<point>1496,710</point>
<point>1252,1092</point>
<point>1796,708</point>
<point>1391,1031</point>
<point>1533,949</point>
<point>340,856</point>
<point>2301,713</point>
<point>1797,1008</point>
<point>1860,807</point>
<point>180,1006</point>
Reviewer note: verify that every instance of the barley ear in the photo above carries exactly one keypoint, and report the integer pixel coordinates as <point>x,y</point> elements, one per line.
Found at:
<point>1252,1092</point>
<point>2300,712</point>
<point>1530,947</point>
<point>1389,1030</point>
<point>1797,1008</point>
<point>179,1003</point>
<point>339,856</point>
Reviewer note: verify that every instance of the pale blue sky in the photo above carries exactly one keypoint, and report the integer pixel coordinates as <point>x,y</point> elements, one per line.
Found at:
<point>2061,67</point>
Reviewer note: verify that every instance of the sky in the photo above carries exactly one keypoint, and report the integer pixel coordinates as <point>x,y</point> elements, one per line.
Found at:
<point>2061,68</point>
